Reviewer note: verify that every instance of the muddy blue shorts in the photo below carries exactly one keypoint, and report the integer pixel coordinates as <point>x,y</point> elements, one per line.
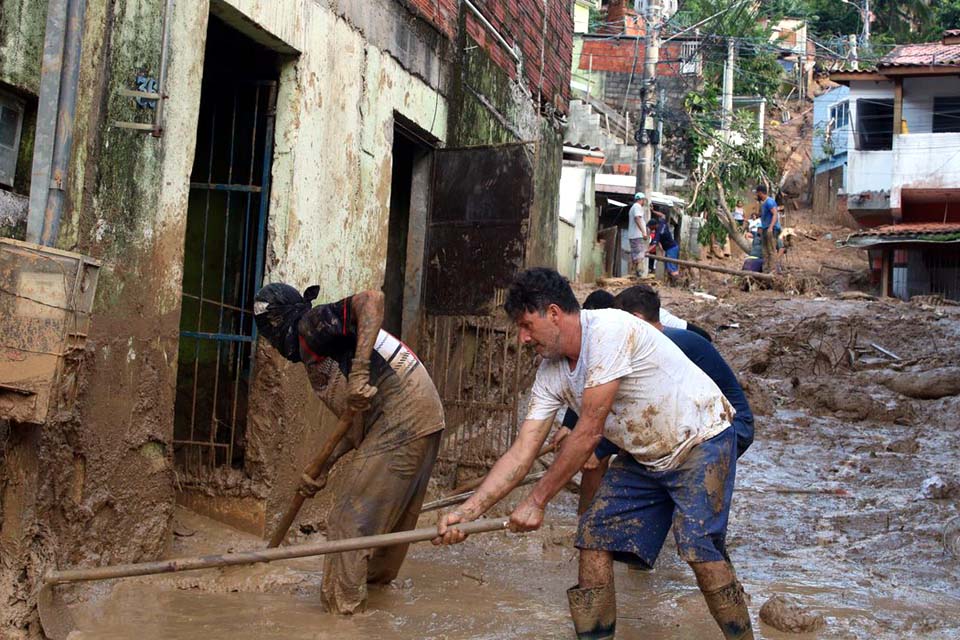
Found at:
<point>635,507</point>
<point>673,252</point>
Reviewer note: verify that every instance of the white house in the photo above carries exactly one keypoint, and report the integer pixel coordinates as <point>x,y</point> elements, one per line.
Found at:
<point>900,126</point>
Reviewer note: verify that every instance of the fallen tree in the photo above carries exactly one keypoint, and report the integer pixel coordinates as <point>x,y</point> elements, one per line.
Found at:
<point>766,277</point>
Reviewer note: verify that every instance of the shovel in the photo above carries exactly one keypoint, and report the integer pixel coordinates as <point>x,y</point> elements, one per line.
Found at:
<point>58,622</point>
<point>314,469</point>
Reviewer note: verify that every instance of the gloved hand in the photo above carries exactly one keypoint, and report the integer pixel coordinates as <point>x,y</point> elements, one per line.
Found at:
<point>309,487</point>
<point>359,390</point>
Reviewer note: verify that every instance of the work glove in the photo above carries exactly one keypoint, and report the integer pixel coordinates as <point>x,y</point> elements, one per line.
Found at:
<point>309,487</point>
<point>359,390</point>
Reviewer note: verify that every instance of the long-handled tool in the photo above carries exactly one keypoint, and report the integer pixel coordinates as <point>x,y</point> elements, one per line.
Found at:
<point>458,498</point>
<point>313,470</point>
<point>470,485</point>
<point>58,623</point>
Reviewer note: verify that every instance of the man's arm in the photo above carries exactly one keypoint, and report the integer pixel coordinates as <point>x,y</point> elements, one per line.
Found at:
<point>506,474</point>
<point>775,220</point>
<point>577,449</point>
<point>367,308</point>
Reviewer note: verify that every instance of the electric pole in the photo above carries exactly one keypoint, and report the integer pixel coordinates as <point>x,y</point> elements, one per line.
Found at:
<point>866,23</point>
<point>651,56</point>
<point>726,118</point>
<point>658,163</point>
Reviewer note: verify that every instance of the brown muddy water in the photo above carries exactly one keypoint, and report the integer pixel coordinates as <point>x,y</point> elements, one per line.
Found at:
<point>828,509</point>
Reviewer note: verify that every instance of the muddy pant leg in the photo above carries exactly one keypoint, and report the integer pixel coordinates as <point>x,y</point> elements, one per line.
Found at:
<point>377,495</point>
<point>769,251</point>
<point>385,563</point>
<point>725,598</point>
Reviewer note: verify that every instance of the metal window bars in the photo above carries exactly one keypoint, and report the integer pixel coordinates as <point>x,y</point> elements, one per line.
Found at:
<point>223,266</point>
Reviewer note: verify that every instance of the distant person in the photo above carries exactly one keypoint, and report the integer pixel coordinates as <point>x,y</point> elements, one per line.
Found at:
<point>769,228</point>
<point>638,218</point>
<point>662,238</point>
<point>754,261</point>
<point>738,215</point>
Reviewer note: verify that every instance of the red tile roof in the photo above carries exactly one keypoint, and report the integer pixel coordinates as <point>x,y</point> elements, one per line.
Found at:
<point>922,55</point>
<point>913,229</point>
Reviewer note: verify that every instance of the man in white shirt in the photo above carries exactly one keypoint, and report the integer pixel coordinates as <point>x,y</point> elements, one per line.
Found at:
<point>637,234</point>
<point>629,383</point>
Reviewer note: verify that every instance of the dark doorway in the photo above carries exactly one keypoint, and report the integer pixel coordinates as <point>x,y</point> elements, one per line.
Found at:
<point>410,154</point>
<point>224,249</point>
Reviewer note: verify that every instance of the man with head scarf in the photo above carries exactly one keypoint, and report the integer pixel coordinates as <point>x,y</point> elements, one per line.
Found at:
<point>352,363</point>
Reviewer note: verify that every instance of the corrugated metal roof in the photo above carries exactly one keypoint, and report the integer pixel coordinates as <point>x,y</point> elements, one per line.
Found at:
<point>922,55</point>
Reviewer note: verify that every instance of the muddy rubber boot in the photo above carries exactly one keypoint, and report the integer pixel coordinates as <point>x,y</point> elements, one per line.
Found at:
<point>728,606</point>
<point>594,611</point>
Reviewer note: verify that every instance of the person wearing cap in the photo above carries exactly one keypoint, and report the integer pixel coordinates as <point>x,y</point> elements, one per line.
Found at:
<point>353,364</point>
<point>639,215</point>
<point>769,228</point>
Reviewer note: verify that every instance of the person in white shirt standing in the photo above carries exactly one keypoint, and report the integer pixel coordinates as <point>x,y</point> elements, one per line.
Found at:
<point>637,234</point>
<point>629,383</point>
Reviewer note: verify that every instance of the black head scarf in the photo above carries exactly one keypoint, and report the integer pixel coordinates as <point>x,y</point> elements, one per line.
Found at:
<point>277,309</point>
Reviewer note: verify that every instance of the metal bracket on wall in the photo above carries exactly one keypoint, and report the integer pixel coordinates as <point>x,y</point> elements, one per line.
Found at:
<point>160,95</point>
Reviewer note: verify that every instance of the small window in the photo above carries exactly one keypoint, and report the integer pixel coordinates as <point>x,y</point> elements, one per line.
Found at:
<point>874,124</point>
<point>946,114</point>
<point>690,58</point>
<point>840,115</point>
<point>11,119</point>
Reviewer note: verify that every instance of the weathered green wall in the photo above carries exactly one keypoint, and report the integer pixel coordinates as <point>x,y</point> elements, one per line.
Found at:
<point>22,24</point>
<point>488,108</point>
<point>104,488</point>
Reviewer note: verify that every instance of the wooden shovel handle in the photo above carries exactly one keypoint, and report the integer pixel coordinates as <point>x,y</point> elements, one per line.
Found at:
<point>313,470</point>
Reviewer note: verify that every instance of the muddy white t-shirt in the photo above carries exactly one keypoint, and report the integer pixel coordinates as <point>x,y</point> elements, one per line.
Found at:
<point>665,405</point>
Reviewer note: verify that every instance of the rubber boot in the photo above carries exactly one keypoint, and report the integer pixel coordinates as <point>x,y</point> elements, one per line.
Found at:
<point>594,611</point>
<point>728,606</point>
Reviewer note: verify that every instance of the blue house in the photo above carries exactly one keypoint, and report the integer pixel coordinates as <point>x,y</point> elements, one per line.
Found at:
<point>831,135</point>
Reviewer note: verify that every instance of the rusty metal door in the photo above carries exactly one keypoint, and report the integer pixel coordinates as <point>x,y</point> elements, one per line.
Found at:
<point>478,226</point>
<point>481,201</point>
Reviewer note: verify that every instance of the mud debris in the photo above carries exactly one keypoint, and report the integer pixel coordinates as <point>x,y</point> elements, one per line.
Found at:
<point>785,613</point>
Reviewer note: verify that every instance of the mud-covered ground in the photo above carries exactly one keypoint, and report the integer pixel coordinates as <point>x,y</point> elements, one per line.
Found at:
<point>831,504</point>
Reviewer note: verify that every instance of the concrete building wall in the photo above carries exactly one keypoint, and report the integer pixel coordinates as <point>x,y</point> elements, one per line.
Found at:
<point>918,98</point>
<point>579,257</point>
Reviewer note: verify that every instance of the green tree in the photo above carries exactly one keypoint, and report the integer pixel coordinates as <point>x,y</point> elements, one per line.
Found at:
<point>946,15</point>
<point>894,20</point>
<point>726,164</point>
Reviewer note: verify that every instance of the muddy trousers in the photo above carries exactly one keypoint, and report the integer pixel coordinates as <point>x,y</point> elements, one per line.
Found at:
<point>382,493</point>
